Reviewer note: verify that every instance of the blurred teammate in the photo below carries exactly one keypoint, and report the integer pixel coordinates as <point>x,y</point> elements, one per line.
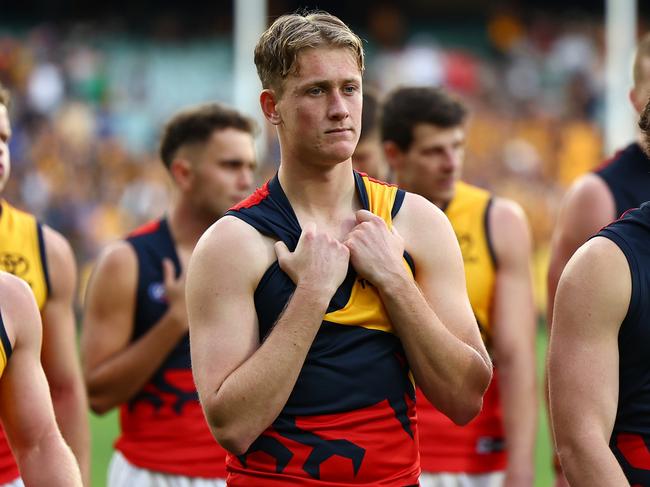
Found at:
<point>25,404</point>
<point>368,156</point>
<point>306,323</point>
<point>599,367</point>
<point>43,258</point>
<point>423,130</point>
<point>619,184</point>
<point>135,343</point>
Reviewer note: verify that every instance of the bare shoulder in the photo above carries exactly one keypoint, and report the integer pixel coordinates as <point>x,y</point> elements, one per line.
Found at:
<point>19,310</point>
<point>231,240</point>
<point>598,272</point>
<point>15,292</point>
<point>418,215</point>
<point>116,269</point>
<point>58,248</point>
<point>587,206</point>
<point>117,257</point>
<point>425,227</point>
<point>509,228</point>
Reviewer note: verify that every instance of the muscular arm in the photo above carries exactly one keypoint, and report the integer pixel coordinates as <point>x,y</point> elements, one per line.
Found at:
<point>115,368</point>
<point>25,405</point>
<point>432,314</point>
<point>513,325</point>
<point>592,300</point>
<point>243,385</point>
<point>59,355</point>
<point>587,207</point>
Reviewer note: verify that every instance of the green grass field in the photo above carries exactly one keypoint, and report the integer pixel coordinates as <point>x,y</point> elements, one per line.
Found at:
<point>104,431</point>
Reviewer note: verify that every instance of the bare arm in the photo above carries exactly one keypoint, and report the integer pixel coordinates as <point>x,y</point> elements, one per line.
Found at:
<point>60,355</point>
<point>573,227</point>
<point>587,207</point>
<point>592,300</point>
<point>25,405</point>
<point>243,385</point>
<point>435,321</point>
<point>115,368</point>
<point>513,324</point>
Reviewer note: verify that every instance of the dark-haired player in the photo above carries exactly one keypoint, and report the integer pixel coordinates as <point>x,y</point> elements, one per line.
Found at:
<point>135,339</point>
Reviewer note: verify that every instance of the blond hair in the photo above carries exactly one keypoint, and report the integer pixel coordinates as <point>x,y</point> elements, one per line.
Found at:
<point>278,48</point>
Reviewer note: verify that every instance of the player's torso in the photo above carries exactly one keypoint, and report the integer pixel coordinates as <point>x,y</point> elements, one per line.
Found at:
<point>162,426</point>
<point>479,446</point>
<point>22,250</point>
<point>350,417</point>
<point>630,440</point>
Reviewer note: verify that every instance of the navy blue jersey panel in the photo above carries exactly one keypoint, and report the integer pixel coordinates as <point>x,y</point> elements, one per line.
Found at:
<point>627,175</point>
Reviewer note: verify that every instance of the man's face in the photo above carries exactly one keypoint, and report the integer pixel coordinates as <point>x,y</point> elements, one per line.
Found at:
<point>320,107</point>
<point>433,163</point>
<point>5,135</point>
<point>222,171</point>
<point>368,157</point>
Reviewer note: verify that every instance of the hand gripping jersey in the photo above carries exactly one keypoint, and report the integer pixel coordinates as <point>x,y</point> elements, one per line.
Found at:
<point>350,419</point>
<point>22,253</point>
<point>628,176</point>
<point>630,440</point>
<point>479,446</point>
<point>163,428</point>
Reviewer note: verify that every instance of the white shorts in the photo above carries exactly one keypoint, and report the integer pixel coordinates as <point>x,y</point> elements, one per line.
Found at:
<point>15,483</point>
<point>492,479</point>
<point>121,473</point>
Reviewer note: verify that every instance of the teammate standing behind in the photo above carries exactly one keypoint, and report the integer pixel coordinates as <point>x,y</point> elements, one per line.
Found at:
<point>25,404</point>
<point>135,343</point>
<point>307,324</point>
<point>423,130</point>
<point>368,156</point>
<point>619,184</point>
<point>599,367</point>
<point>43,258</point>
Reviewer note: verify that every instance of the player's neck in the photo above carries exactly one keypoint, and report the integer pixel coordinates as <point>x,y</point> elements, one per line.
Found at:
<point>186,225</point>
<point>316,191</point>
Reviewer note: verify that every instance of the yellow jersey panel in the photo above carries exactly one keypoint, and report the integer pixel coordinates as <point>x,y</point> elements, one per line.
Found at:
<point>364,307</point>
<point>22,250</point>
<point>467,212</point>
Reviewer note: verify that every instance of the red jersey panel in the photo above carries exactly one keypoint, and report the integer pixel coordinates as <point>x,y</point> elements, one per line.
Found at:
<point>162,427</point>
<point>478,447</point>
<point>359,459</point>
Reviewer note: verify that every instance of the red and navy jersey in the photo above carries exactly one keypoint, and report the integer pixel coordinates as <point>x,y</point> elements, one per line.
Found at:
<point>162,426</point>
<point>627,175</point>
<point>350,419</point>
<point>630,440</point>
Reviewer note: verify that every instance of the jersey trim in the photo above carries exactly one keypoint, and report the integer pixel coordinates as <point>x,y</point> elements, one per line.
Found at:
<point>42,251</point>
<point>6,344</point>
<point>488,234</point>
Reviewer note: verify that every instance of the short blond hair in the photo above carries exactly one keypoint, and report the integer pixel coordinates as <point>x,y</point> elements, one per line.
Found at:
<point>642,52</point>
<point>278,48</point>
